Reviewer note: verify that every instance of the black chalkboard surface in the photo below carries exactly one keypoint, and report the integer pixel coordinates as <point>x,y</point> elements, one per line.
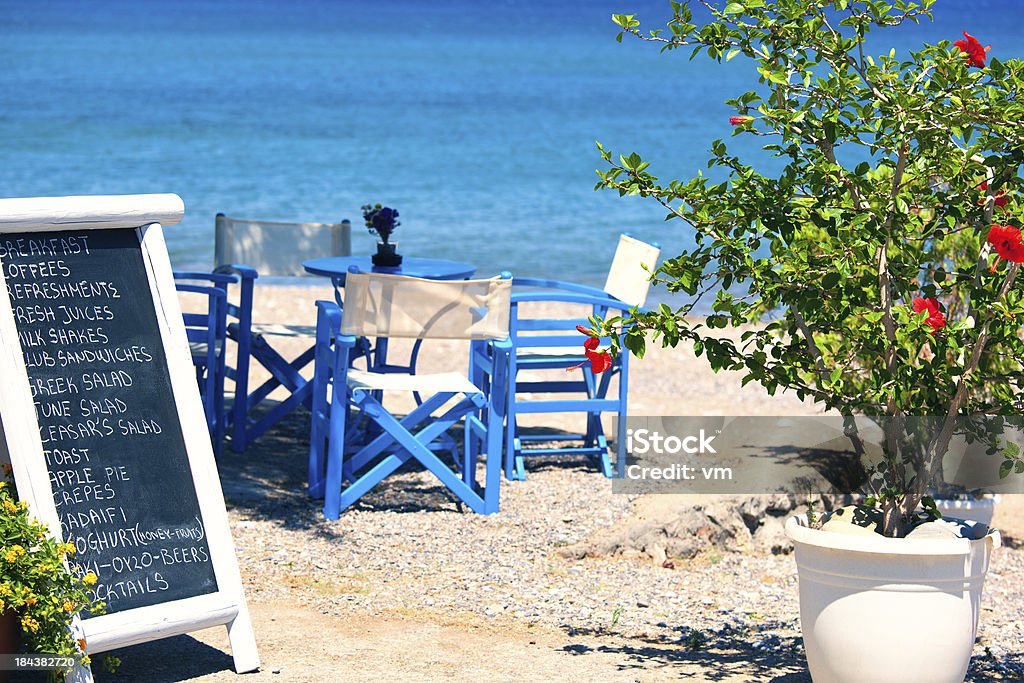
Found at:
<point>110,429</point>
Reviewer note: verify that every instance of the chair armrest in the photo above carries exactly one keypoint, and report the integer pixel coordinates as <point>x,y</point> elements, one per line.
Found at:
<point>562,285</point>
<point>216,278</point>
<point>344,340</point>
<point>328,314</point>
<point>245,272</point>
<point>559,297</point>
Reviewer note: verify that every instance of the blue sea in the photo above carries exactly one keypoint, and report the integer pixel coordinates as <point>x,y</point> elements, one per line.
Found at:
<point>477,120</point>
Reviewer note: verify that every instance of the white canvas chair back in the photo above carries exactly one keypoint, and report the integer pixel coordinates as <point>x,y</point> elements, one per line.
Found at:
<point>278,249</point>
<point>379,305</point>
<point>627,280</point>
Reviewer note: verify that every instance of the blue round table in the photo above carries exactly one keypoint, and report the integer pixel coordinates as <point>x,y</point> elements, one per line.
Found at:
<point>336,268</point>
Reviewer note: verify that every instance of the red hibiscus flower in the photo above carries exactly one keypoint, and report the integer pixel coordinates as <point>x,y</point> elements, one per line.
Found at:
<point>1005,239</point>
<point>934,318</point>
<point>740,120</point>
<point>1000,198</point>
<point>973,49</point>
<point>599,360</point>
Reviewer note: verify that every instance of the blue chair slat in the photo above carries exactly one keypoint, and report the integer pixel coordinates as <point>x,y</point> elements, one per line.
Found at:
<point>206,333</point>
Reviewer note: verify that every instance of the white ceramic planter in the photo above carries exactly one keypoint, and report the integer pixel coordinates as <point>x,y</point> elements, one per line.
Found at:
<point>980,510</point>
<point>888,610</point>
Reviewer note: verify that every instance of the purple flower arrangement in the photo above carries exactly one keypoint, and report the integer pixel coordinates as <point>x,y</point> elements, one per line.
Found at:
<point>381,220</point>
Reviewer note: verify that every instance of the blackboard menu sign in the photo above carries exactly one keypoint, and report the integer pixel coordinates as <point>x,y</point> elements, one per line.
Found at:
<point>102,422</point>
<point>112,438</point>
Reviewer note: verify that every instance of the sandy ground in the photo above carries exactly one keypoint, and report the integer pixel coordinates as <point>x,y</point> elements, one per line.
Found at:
<point>301,642</point>
<point>400,649</point>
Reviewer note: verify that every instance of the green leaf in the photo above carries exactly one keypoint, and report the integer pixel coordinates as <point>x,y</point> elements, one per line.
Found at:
<point>732,53</point>
<point>625,20</point>
<point>1005,469</point>
<point>734,8</point>
<point>636,343</point>
<point>928,503</point>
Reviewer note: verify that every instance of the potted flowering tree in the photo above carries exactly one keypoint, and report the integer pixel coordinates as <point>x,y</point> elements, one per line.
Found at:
<point>881,259</point>
<point>39,594</point>
<point>382,221</point>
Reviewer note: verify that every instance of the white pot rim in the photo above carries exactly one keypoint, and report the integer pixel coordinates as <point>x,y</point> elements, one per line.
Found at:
<point>800,533</point>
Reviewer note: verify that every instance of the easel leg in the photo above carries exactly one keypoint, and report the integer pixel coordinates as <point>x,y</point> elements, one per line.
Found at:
<point>243,641</point>
<point>80,673</point>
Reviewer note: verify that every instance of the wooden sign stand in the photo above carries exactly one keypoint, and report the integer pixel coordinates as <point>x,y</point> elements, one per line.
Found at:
<point>222,601</point>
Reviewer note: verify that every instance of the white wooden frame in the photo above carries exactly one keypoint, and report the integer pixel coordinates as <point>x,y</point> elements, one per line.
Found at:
<point>20,442</point>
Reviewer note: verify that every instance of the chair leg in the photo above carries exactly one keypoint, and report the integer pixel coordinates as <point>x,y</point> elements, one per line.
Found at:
<point>620,428</point>
<point>495,421</point>
<point>335,452</point>
<point>511,430</point>
<point>218,412</point>
<point>317,431</point>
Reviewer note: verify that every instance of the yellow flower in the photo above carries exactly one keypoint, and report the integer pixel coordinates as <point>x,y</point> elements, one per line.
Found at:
<point>29,624</point>
<point>10,507</point>
<point>5,590</point>
<point>13,553</point>
<point>30,601</point>
<point>68,548</point>
<point>90,579</point>
<point>68,606</point>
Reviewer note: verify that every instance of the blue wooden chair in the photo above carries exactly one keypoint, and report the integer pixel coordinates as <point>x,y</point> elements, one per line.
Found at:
<point>246,250</point>
<point>544,343</point>
<point>356,442</point>
<point>206,331</point>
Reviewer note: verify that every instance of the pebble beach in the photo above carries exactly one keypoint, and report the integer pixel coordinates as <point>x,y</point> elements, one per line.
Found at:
<point>407,586</point>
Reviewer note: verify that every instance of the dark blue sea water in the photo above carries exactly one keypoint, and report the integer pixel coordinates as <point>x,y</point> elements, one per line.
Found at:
<point>477,120</point>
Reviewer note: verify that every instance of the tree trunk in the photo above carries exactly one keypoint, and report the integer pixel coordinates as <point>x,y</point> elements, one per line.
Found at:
<point>892,519</point>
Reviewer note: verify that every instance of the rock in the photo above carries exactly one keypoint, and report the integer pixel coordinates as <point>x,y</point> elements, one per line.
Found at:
<point>657,554</point>
<point>840,527</point>
<point>771,538</point>
<point>681,526</point>
<point>946,528</point>
<point>853,519</point>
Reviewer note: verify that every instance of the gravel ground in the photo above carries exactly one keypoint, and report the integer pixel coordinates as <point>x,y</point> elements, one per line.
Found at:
<point>407,586</point>
<point>407,560</point>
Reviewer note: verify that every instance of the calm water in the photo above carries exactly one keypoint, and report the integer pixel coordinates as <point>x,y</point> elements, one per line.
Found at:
<point>476,119</point>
